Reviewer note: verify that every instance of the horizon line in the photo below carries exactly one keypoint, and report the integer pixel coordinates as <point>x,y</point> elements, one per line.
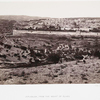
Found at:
<point>53,17</point>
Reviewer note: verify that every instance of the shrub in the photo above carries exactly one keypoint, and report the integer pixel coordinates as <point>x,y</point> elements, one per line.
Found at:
<point>23,73</point>
<point>97,53</point>
<point>54,57</point>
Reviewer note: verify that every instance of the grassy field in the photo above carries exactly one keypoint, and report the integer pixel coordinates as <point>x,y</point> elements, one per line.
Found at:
<point>59,59</point>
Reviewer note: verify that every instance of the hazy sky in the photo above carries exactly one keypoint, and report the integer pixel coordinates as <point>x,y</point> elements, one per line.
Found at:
<point>52,8</point>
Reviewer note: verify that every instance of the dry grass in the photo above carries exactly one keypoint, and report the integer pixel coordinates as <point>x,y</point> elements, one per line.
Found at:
<point>65,73</point>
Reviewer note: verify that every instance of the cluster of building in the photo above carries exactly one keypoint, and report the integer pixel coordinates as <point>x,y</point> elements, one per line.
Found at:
<point>58,24</point>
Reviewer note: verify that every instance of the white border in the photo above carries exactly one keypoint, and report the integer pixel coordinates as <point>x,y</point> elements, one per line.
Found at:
<point>50,91</point>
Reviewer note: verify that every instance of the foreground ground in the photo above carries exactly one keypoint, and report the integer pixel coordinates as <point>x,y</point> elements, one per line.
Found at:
<point>67,72</point>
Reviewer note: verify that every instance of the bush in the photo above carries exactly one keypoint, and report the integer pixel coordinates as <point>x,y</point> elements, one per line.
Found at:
<point>97,53</point>
<point>54,57</point>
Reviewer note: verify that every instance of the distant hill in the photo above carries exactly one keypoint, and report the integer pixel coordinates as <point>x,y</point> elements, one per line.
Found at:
<point>19,17</point>
<point>27,18</point>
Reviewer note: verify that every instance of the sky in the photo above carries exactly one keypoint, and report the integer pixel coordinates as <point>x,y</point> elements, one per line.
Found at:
<point>55,9</point>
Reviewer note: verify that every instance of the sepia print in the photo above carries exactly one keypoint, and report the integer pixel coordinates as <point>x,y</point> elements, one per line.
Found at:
<point>47,50</point>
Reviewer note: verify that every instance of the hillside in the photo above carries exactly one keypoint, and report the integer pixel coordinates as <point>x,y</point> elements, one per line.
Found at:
<point>18,17</point>
<point>65,73</point>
